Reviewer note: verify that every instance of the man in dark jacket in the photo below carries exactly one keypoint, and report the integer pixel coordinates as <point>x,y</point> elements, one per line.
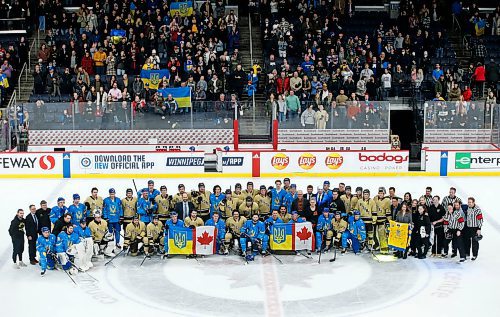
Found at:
<point>16,232</point>
<point>184,207</point>
<point>61,223</point>
<point>32,222</point>
<point>43,214</point>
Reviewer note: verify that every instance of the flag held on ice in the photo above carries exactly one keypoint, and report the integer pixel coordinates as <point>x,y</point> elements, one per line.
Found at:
<point>200,240</point>
<point>292,236</point>
<point>399,235</point>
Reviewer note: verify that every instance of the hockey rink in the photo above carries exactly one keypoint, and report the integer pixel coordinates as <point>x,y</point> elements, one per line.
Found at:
<point>353,285</point>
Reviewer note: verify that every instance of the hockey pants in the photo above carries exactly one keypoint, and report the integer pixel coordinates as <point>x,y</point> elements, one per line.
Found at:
<point>347,235</point>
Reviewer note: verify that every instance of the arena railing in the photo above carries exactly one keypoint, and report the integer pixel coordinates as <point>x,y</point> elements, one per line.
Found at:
<point>59,116</point>
<point>458,122</point>
<point>495,131</point>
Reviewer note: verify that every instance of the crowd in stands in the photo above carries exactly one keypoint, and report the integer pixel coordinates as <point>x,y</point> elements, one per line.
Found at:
<point>324,53</point>
<point>95,56</point>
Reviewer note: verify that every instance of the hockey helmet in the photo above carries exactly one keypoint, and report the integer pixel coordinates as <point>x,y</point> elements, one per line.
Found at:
<point>356,213</point>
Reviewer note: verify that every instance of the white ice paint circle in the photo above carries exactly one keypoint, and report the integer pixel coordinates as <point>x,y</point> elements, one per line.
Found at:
<point>326,279</point>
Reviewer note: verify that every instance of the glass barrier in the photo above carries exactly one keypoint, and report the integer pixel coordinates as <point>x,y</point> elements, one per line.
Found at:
<point>126,116</point>
<point>457,115</point>
<point>495,133</point>
<point>353,116</point>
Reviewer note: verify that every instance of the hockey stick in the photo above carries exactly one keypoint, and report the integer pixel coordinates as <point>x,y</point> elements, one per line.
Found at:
<point>82,271</point>
<point>304,255</point>
<point>274,256</point>
<point>321,246</point>
<point>334,251</point>
<point>373,254</point>
<point>145,257</point>
<point>115,256</point>
<point>135,187</point>
<point>56,259</point>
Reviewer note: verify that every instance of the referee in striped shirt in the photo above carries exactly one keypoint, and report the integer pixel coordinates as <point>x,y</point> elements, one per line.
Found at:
<point>451,199</point>
<point>474,224</point>
<point>455,221</point>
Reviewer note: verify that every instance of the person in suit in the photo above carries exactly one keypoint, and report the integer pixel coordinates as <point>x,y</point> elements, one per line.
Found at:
<point>184,207</point>
<point>309,193</point>
<point>32,223</point>
<point>43,214</point>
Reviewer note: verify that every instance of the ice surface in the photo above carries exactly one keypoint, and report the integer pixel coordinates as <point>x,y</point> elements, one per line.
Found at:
<point>224,286</point>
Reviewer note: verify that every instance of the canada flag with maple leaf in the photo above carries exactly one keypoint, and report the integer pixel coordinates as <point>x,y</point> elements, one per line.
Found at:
<point>205,240</point>
<point>304,237</point>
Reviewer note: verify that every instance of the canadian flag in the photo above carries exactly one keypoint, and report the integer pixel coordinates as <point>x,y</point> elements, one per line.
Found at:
<point>205,240</point>
<point>303,236</point>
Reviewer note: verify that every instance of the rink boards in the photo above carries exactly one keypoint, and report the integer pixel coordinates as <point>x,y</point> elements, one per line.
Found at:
<point>257,163</point>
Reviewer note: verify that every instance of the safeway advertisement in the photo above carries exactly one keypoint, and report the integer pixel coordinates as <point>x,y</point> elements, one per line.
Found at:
<point>31,164</point>
<point>335,162</point>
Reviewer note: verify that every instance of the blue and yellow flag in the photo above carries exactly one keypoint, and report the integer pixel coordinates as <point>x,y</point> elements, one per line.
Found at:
<point>399,235</point>
<point>116,35</point>
<point>180,240</point>
<point>185,8</point>
<point>182,95</point>
<point>292,236</point>
<point>153,77</point>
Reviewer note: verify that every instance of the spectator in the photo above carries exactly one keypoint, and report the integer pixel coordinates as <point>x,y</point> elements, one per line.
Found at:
<point>386,84</point>
<point>321,117</point>
<point>437,72</point>
<point>492,74</point>
<point>479,78</point>
<point>292,105</point>
<point>308,118</point>
<point>282,108</point>
<point>467,94</point>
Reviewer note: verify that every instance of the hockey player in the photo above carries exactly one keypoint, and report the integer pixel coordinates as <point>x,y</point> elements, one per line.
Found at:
<point>283,214</point>
<point>233,229</point>
<point>322,199</point>
<point>341,189</point>
<point>277,195</point>
<point>57,211</point>
<point>337,204</point>
<point>227,205</point>
<point>220,227</point>
<point>356,232</point>
<point>451,198</point>
<point>422,232</point>
<point>380,219</point>
<point>164,203</point>
<point>136,237</point>
<point>295,217</point>
<point>326,190</point>
<point>473,231</point>
<point>64,248</point>
<point>286,184</point>
<point>45,245</point>
<point>112,213</point>
<point>77,210</point>
<point>339,225</point>
<point>95,202</point>
<point>129,207</point>
<point>83,231</point>
<point>263,201</point>
<point>178,197</point>
<point>249,208</point>
<point>193,220</point>
<point>238,194</point>
<point>324,231</point>
<point>290,196</point>
<point>249,191</point>
<point>172,222</point>
<point>349,200</point>
<point>454,222</point>
<point>215,199</point>
<point>146,207</point>
<point>201,201</point>
<point>252,232</point>
<point>152,192</point>
<point>367,209</point>
<point>103,240</point>
<point>155,234</point>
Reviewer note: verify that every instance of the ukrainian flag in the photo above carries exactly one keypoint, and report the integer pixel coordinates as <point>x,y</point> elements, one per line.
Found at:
<point>180,240</point>
<point>399,235</point>
<point>182,95</point>
<point>153,77</point>
<point>185,8</point>
<point>116,35</point>
<point>282,237</point>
